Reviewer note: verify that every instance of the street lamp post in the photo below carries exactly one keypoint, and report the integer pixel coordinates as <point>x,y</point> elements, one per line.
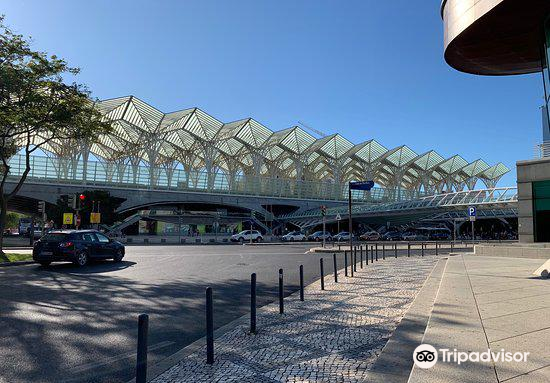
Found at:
<point>355,185</point>
<point>350,223</point>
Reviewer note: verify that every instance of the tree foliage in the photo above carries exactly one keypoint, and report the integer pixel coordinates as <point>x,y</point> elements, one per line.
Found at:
<point>38,105</point>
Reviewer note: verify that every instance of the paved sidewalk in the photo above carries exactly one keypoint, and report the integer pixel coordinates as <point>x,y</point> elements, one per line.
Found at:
<point>334,336</point>
<point>490,302</point>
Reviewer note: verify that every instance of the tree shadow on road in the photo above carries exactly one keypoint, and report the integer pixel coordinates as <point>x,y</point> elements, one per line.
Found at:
<point>73,324</point>
<point>94,267</point>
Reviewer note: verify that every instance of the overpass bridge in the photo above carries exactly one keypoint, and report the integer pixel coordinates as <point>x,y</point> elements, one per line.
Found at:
<point>142,186</point>
<point>490,203</point>
<point>269,199</point>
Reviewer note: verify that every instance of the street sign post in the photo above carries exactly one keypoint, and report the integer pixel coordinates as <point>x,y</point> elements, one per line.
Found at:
<point>338,219</point>
<point>324,213</point>
<point>472,213</point>
<point>95,217</point>
<point>67,218</point>
<point>42,210</point>
<point>355,185</point>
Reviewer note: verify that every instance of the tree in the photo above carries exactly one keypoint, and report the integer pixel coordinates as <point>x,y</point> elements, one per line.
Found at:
<point>12,220</point>
<point>37,106</point>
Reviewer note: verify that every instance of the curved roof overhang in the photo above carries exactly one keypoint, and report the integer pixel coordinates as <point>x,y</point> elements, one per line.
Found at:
<point>494,37</point>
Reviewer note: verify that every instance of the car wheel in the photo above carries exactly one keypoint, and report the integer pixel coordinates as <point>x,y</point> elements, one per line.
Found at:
<point>82,259</point>
<point>118,256</point>
<point>45,263</point>
<point>241,240</point>
<point>259,239</point>
<point>291,239</point>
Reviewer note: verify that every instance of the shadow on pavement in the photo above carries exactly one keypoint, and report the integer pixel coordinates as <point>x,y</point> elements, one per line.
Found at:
<point>101,266</point>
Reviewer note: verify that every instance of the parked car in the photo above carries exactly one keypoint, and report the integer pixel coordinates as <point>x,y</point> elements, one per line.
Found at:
<point>294,236</point>
<point>319,235</point>
<point>247,235</point>
<point>77,246</point>
<point>392,236</point>
<point>342,236</point>
<point>370,236</point>
<point>440,236</point>
<point>414,237</point>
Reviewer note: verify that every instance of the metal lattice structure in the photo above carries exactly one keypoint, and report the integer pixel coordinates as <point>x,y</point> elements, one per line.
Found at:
<point>494,202</point>
<point>207,150</point>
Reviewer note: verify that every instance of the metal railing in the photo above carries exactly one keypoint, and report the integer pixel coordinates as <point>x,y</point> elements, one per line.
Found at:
<point>542,150</point>
<point>56,170</point>
<point>504,197</point>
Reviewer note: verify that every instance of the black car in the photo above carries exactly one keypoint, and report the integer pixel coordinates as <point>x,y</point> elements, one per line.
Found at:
<point>392,236</point>
<point>77,246</point>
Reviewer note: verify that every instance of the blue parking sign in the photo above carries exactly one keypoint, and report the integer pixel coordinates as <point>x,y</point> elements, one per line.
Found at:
<point>472,211</point>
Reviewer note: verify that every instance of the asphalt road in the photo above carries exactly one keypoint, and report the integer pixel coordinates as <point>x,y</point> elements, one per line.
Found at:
<point>66,324</point>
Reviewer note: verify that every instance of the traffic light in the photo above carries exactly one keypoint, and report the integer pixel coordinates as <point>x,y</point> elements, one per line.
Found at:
<point>41,207</point>
<point>323,210</point>
<point>81,199</point>
<point>71,201</point>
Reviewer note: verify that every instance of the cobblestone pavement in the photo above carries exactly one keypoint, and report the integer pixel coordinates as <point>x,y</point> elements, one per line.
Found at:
<point>333,336</point>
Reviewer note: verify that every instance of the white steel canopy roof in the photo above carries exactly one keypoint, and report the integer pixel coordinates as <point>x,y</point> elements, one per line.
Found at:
<point>193,138</point>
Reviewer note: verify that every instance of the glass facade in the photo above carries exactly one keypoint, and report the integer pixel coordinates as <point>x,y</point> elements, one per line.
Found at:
<point>546,78</point>
<point>541,210</point>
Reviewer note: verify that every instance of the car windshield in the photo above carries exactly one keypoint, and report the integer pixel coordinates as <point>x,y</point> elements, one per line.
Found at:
<point>55,237</point>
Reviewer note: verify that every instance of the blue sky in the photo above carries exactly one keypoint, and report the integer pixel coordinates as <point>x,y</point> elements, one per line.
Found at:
<point>366,69</point>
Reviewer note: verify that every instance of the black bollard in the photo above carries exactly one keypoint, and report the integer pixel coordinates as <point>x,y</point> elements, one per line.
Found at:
<point>361,255</point>
<point>452,246</point>
<point>372,254</point>
<point>395,250</point>
<point>351,262</point>
<point>376,249</point>
<point>253,303</point>
<point>322,273</point>
<point>367,254</point>
<point>281,288</point>
<point>302,283</point>
<point>422,248</point>
<point>355,259</point>
<point>209,326</point>
<point>408,249</point>
<point>346,263</point>
<point>384,251</point>
<point>141,363</point>
<point>335,268</point>
<point>377,256</point>
<point>436,248</point>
